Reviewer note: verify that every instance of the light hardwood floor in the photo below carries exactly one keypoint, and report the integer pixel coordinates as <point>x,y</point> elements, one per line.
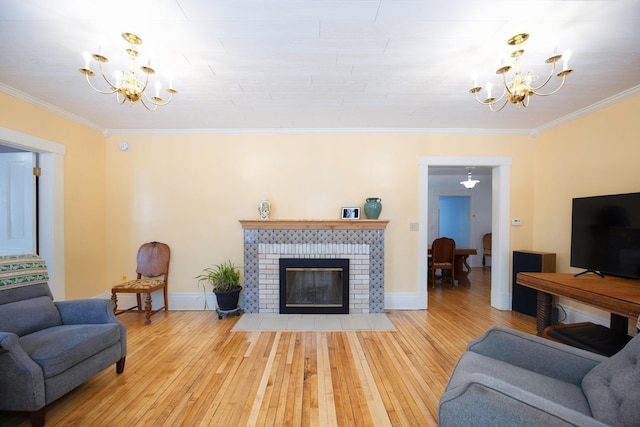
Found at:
<point>188,369</point>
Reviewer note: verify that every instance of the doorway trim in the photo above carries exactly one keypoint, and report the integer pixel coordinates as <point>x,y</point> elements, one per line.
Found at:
<point>500,208</point>
<point>50,199</point>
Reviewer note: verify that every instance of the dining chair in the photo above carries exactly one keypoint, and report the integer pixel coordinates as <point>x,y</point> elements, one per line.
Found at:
<point>443,257</point>
<point>152,275</point>
<point>486,248</point>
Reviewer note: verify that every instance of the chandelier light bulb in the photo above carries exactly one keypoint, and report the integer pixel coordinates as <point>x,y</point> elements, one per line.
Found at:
<point>554,44</point>
<point>87,60</point>
<point>565,60</point>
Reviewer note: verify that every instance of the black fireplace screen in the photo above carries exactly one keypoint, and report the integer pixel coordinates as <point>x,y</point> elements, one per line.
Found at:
<point>317,285</point>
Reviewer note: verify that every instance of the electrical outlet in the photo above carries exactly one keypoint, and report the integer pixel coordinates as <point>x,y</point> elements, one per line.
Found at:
<point>414,226</point>
<point>516,222</point>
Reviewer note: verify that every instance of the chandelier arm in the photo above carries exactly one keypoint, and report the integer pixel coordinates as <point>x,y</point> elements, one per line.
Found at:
<point>553,68</point>
<point>506,101</point>
<point>119,98</point>
<point>505,84</point>
<point>104,92</point>
<point>152,108</point>
<point>564,78</point>
<point>504,92</point>
<point>113,87</point>
<point>146,83</point>
<point>159,102</point>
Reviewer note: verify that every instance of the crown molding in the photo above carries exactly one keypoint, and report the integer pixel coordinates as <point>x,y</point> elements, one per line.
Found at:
<point>607,102</point>
<point>318,131</point>
<point>46,106</point>
<point>322,131</point>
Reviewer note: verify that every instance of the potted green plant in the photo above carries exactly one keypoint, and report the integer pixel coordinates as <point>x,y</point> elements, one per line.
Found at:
<point>224,279</point>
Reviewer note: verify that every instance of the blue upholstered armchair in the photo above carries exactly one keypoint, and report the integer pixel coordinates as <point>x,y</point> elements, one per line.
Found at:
<point>49,348</point>
<point>508,377</point>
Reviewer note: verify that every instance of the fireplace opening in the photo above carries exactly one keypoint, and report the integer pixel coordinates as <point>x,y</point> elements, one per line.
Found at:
<point>314,285</point>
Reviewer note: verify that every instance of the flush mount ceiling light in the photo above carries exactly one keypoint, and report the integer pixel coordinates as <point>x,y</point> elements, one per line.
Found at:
<point>469,183</point>
<point>126,84</point>
<point>519,89</point>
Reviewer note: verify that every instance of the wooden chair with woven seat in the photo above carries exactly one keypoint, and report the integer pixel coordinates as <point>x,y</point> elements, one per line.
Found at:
<point>486,248</point>
<point>442,257</point>
<point>153,275</point>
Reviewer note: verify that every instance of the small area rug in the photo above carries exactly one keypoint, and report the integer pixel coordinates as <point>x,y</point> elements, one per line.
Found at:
<point>313,322</point>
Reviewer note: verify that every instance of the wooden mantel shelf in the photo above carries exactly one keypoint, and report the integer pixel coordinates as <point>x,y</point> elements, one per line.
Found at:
<point>314,224</point>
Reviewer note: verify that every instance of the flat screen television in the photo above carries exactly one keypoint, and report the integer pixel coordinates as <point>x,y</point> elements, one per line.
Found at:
<point>605,235</point>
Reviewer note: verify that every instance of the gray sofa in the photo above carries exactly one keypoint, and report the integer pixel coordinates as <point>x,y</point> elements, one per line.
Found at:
<point>511,378</point>
<point>48,348</point>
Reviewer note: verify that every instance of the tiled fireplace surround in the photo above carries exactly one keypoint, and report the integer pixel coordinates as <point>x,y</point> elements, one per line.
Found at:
<point>361,241</point>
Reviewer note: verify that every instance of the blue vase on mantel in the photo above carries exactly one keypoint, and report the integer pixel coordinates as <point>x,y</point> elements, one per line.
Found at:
<point>372,207</point>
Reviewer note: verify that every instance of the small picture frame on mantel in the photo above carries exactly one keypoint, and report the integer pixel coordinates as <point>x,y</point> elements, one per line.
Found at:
<point>350,213</point>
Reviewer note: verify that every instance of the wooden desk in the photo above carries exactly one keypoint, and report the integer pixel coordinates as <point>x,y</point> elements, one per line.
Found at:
<point>620,297</point>
<point>460,264</point>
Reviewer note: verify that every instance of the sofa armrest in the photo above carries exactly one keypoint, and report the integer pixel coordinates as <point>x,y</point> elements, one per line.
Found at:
<point>91,311</point>
<point>488,401</point>
<point>21,379</point>
<point>83,311</point>
<point>536,354</point>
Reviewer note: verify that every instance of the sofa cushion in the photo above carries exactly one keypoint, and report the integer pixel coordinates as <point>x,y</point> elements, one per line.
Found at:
<point>59,348</point>
<point>613,387</point>
<point>26,316</point>
<point>557,391</point>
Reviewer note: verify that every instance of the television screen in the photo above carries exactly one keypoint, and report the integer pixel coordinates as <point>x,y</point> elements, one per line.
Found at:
<point>605,234</point>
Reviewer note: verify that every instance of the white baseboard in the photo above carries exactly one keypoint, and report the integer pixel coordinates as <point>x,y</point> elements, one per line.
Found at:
<point>179,301</point>
<point>392,301</point>
<point>195,300</point>
<point>401,301</point>
<point>575,315</point>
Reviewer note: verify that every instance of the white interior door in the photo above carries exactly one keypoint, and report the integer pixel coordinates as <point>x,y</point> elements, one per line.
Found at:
<point>17,203</point>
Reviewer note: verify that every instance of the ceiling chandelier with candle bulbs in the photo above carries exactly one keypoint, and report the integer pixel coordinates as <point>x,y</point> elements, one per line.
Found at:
<point>518,87</point>
<point>128,85</point>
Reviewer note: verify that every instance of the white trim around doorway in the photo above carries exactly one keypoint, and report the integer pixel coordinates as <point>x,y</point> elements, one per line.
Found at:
<point>500,289</point>
<point>51,201</point>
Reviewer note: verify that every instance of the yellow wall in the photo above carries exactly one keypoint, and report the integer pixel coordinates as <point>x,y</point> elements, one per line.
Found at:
<point>593,155</point>
<point>84,191</point>
<point>191,190</point>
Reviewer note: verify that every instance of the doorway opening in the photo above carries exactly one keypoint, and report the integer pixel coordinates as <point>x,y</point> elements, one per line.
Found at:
<point>50,201</point>
<point>500,200</point>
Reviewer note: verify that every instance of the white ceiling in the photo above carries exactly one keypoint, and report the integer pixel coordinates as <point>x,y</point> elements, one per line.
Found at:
<point>320,65</point>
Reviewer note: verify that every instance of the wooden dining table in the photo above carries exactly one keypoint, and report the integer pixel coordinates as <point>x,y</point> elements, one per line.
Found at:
<point>461,266</point>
